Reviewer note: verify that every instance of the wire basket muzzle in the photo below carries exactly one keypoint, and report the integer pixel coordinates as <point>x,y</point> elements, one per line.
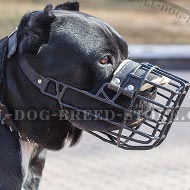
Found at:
<point>155,96</point>
<point>135,110</point>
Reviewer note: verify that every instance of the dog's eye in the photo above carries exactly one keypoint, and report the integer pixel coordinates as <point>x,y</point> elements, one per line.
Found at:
<point>105,60</point>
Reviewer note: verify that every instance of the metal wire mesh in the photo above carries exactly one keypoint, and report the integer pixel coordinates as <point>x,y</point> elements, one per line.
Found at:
<point>154,127</point>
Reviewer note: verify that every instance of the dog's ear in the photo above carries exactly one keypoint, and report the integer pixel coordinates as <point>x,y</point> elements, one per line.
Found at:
<point>34,30</point>
<point>71,6</point>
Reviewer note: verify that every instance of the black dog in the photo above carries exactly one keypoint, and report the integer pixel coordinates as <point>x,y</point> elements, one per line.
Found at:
<point>68,46</point>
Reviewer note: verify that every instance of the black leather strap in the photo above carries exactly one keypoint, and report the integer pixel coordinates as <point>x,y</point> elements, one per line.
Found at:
<point>124,75</point>
<point>3,53</point>
<point>129,77</point>
<point>121,74</point>
<point>38,80</point>
<point>12,43</point>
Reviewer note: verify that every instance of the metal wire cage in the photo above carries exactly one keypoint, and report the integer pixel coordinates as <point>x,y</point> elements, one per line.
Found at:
<point>154,129</point>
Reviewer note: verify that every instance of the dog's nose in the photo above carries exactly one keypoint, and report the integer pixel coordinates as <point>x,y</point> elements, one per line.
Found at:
<point>160,81</point>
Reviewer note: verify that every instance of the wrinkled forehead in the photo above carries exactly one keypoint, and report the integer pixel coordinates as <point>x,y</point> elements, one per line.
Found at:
<point>78,30</point>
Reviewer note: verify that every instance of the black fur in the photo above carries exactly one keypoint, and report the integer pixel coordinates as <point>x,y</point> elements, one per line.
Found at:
<point>71,55</point>
<point>34,30</point>
<point>10,159</point>
<point>66,45</point>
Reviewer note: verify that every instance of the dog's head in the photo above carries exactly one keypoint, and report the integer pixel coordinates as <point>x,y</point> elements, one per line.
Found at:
<point>77,49</point>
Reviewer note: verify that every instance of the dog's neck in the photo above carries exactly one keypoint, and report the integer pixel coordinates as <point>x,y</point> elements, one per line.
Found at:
<point>21,96</point>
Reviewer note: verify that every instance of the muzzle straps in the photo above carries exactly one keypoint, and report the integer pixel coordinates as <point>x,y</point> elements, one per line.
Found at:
<point>127,83</point>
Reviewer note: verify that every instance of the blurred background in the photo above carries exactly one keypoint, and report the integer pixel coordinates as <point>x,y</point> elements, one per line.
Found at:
<point>136,21</point>
<point>155,33</point>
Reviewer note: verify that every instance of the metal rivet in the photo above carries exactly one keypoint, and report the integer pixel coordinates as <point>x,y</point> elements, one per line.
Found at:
<point>20,135</point>
<point>36,144</point>
<point>11,128</point>
<point>28,139</point>
<point>164,136</point>
<point>2,121</point>
<point>130,87</point>
<point>116,81</point>
<point>39,81</point>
